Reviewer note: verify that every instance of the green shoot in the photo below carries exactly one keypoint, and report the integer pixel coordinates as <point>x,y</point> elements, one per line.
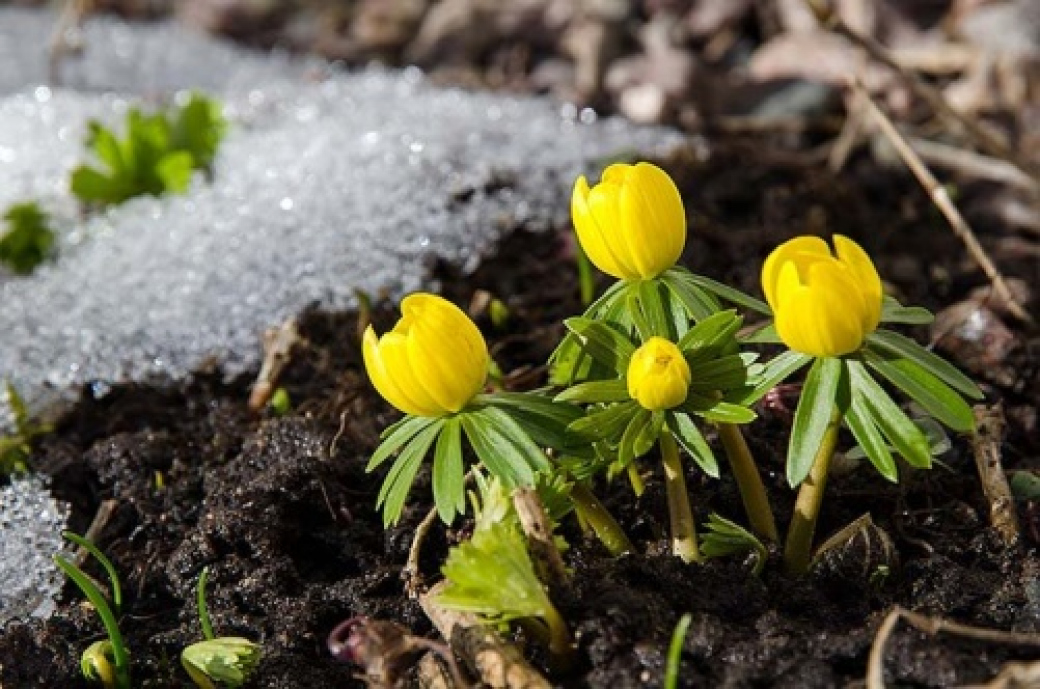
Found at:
<point>156,155</point>
<point>671,668</point>
<point>723,538</point>
<point>28,240</point>
<point>228,660</point>
<point>16,449</point>
<point>492,575</point>
<point>115,675</point>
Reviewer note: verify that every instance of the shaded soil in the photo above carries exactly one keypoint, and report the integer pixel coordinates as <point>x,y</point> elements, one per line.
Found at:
<point>282,511</point>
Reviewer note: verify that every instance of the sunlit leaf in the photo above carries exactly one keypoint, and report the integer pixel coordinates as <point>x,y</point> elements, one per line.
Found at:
<point>813,416</point>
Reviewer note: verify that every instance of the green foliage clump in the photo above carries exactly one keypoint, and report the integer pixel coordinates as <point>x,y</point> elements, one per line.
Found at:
<point>157,155</point>
<point>28,239</point>
<point>15,449</point>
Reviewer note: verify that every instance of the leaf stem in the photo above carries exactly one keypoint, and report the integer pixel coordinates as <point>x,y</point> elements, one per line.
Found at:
<point>561,645</point>
<point>635,479</point>
<point>798,548</point>
<point>749,481</point>
<point>200,596</point>
<point>595,514</point>
<point>684,530</point>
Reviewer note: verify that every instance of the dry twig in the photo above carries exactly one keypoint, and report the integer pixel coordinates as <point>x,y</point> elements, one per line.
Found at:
<point>985,139</point>
<point>941,198</point>
<point>498,664</point>
<point>933,626</point>
<point>535,523</point>
<point>989,434</point>
<point>278,346</point>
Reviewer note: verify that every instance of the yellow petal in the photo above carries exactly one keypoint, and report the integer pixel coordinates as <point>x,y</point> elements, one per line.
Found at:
<point>653,220</point>
<point>446,350</point>
<point>382,379</point>
<point>394,350</point>
<point>658,376</point>
<point>605,207</point>
<point>591,235</point>
<point>867,279</point>
<point>798,251</point>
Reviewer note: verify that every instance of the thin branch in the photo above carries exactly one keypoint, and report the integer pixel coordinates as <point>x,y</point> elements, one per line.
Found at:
<point>985,139</point>
<point>941,198</point>
<point>985,443</point>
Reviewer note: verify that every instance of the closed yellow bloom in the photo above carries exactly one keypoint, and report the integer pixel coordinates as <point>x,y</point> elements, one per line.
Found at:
<point>824,305</point>
<point>632,224</point>
<point>434,360</point>
<point>658,375</point>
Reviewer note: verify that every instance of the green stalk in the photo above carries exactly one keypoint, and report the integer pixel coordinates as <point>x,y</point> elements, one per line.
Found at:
<point>684,530</point>
<point>200,596</point>
<point>752,490</point>
<point>798,549</point>
<point>592,512</point>
<point>561,645</point>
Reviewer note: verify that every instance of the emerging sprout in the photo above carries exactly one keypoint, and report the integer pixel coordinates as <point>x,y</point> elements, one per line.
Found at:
<point>28,239</point>
<point>227,660</point>
<point>98,664</point>
<point>492,575</point>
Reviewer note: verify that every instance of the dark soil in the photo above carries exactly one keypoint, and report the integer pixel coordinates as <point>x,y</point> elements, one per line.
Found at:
<point>282,512</point>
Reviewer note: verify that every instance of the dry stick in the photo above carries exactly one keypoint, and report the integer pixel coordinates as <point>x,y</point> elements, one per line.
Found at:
<point>540,541</point>
<point>941,198</point>
<point>932,626</point>
<point>973,164</point>
<point>278,346</point>
<point>93,533</point>
<point>498,664</point>
<point>413,581</point>
<point>989,434</point>
<point>984,138</point>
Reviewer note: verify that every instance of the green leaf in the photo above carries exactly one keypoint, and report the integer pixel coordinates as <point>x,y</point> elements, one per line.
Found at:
<point>596,391</point>
<point>449,483</point>
<point>722,538</point>
<point>886,342</point>
<point>544,419</point>
<point>90,185</point>
<point>867,434</point>
<point>637,427</point>
<point>775,371</point>
<point>726,412</point>
<point>492,575</point>
<point>1025,485</point>
<point>734,296</point>
<point>765,333</point>
<point>697,303</point>
<point>937,398</point>
<point>689,437</point>
<point>401,476</point>
<point>28,239</point>
<point>396,436</point>
<point>902,433</point>
<point>174,170</point>
<point>602,342</point>
<point>605,424</point>
<point>895,313</point>
<point>199,128</point>
<point>722,374</point>
<point>503,447</point>
<point>568,360</point>
<point>650,302</point>
<point>711,335</point>
<point>813,416</point>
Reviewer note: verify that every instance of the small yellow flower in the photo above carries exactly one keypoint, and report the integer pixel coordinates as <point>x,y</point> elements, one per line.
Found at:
<point>658,375</point>
<point>434,360</point>
<point>823,305</point>
<point>632,224</point>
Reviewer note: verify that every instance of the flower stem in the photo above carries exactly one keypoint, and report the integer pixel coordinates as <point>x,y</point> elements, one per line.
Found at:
<point>798,549</point>
<point>592,511</point>
<point>561,645</point>
<point>684,531</point>
<point>752,490</point>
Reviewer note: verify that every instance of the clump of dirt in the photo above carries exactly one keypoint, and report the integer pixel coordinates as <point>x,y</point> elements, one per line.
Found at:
<point>281,510</point>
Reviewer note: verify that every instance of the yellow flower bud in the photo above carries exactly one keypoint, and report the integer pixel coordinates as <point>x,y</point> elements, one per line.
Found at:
<point>658,375</point>
<point>632,224</point>
<point>434,360</point>
<point>823,305</point>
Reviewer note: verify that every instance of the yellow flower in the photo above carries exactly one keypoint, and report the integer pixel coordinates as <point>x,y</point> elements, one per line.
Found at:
<point>632,224</point>
<point>823,305</point>
<point>434,360</point>
<point>658,375</point>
